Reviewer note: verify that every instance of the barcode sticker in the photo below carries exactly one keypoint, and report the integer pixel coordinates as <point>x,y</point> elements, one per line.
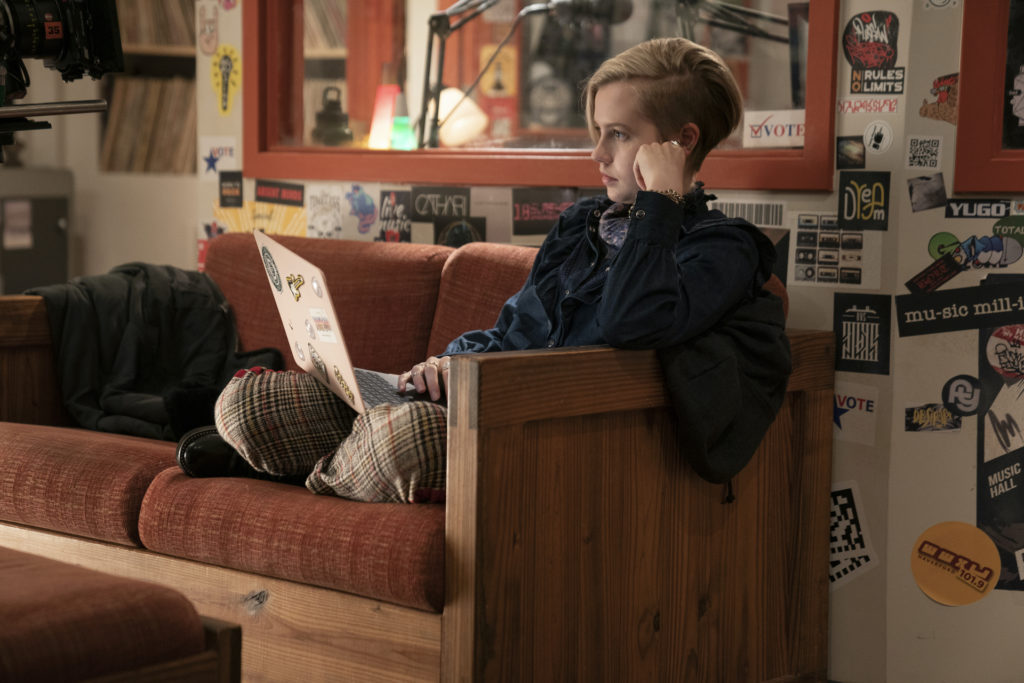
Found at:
<point>761,214</point>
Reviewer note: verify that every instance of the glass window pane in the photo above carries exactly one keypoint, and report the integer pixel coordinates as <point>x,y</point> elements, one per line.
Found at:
<point>527,93</point>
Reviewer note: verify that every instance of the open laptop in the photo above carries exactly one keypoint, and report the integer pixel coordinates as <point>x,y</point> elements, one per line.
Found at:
<point>314,335</point>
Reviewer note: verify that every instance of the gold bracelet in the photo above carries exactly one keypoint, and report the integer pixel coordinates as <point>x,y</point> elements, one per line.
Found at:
<point>671,194</point>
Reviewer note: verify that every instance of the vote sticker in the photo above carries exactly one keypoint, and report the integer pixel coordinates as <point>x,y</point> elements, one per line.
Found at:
<point>955,563</point>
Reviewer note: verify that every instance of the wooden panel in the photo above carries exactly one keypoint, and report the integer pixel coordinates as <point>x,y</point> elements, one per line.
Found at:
<point>23,321</point>
<point>519,386</point>
<point>593,552</point>
<point>290,631</point>
<point>29,391</point>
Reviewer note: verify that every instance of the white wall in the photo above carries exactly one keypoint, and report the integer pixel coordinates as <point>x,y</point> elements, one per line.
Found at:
<point>116,217</point>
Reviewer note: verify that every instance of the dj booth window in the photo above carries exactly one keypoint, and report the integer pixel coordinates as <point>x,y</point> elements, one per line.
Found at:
<point>488,91</point>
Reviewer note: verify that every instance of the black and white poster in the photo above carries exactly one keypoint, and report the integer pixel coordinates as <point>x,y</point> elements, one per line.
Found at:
<point>1000,438</point>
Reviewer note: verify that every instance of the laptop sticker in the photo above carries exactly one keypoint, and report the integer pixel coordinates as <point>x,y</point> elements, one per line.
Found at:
<point>343,384</point>
<point>294,282</point>
<point>268,263</point>
<point>318,362</point>
<point>321,324</point>
<point>317,287</point>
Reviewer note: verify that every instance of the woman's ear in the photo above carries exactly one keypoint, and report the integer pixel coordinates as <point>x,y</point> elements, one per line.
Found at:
<point>688,136</point>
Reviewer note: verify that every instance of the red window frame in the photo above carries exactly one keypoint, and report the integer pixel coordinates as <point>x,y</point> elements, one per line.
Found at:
<point>982,165</point>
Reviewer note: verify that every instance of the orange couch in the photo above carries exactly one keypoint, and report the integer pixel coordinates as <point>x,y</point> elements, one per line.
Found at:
<point>574,545</point>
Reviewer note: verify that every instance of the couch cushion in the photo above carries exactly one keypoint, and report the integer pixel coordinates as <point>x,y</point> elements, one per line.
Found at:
<point>386,551</point>
<point>477,279</point>
<point>77,481</point>
<point>62,622</point>
<point>384,294</point>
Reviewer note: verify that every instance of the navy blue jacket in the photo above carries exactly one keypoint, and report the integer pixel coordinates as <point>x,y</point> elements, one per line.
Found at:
<point>680,269</point>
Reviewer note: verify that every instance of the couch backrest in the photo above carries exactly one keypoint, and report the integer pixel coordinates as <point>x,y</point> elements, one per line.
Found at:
<point>384,293</point>
<point>477,279</point>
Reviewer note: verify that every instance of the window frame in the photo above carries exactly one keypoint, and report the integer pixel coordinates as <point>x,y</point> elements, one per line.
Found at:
<point>271,36</point>
<point>982,165</point>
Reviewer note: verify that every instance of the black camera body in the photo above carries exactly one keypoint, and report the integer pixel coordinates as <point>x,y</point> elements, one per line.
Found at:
<point>75,37</point>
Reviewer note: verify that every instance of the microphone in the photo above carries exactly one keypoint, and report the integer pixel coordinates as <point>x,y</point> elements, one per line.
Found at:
<point>574,11</point>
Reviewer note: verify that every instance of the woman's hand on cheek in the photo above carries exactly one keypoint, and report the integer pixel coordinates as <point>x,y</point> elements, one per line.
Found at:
<point>660,166</point>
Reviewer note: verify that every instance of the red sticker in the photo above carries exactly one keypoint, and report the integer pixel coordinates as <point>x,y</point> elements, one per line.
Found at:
<point>1005,351</point>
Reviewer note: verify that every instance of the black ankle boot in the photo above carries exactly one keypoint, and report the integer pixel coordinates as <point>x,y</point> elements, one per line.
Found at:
<point>203,453</point>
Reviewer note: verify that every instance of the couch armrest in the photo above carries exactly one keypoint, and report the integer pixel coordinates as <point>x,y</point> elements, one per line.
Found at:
<point>581,546</point>
<point>29,391</point>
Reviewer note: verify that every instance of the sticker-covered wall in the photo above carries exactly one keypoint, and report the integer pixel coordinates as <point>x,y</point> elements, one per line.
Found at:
<point>918,283</point>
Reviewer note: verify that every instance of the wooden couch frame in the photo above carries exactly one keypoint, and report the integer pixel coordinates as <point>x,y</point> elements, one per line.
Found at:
<point>579,545</point>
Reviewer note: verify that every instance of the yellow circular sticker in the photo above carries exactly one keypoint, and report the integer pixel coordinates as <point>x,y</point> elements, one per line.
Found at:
<point>955,563</point>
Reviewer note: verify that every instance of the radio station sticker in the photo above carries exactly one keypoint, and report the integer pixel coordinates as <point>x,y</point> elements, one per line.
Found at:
<point>955,563</point>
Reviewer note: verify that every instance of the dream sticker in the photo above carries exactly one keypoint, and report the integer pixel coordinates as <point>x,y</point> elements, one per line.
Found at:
<point>226,76</point>
<point>294,283</point>
<point>271,266</point>
<point>955,563</point>
<point>321,325</point>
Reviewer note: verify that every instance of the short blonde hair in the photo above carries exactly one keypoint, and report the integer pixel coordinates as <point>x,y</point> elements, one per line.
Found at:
<point>677,82</point>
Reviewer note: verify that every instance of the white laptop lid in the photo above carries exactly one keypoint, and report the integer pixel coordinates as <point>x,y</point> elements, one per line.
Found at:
<point>304,304</point>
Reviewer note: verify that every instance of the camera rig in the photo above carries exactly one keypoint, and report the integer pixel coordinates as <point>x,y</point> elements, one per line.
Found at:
<point>75,37</point>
